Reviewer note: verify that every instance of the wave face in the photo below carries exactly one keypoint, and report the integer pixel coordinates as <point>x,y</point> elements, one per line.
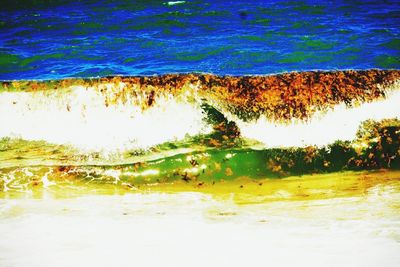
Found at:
<point>51,40</point>
<point>197,128</point>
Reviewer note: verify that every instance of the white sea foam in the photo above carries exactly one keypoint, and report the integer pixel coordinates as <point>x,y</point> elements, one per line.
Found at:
<point>172,3</point>
<point>341,123</point>
<point>79,117</point>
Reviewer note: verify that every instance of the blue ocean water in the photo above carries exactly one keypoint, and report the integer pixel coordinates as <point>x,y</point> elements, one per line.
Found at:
<point>47,39</point>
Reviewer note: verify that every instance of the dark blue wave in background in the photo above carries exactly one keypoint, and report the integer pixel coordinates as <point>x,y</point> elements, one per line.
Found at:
<point>46,39</point>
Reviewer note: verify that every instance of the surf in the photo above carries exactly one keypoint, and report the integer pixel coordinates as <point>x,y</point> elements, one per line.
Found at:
<point>122,113</point>
<point>197,128</point>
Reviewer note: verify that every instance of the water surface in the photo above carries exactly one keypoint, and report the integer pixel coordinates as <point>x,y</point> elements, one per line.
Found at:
<point>56,39</point>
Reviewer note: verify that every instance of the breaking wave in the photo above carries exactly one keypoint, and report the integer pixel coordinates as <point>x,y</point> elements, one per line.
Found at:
<point>196,128</point>
<point>137,113</point>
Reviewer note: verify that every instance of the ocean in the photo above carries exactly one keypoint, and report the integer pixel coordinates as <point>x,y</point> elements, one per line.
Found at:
<point>199,133</point>
<point>55,39</point>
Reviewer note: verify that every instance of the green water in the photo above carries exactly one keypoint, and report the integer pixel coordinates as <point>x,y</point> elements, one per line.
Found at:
<point>195,161</point>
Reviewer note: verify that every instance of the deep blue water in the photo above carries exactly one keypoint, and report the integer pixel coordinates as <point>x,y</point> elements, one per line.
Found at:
<point>44,39</point>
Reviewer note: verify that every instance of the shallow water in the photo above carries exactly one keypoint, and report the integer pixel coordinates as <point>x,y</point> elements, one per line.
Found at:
<point>200,229</point>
